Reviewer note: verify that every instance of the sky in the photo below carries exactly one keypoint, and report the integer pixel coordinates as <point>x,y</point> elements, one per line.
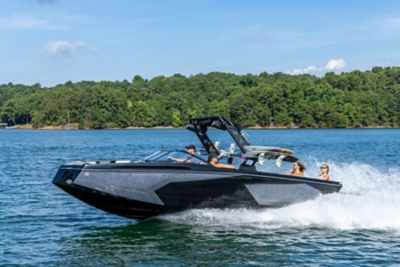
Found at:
<point>55,41</point>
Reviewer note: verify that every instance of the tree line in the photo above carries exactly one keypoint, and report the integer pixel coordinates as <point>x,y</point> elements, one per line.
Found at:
<point>353,99</point>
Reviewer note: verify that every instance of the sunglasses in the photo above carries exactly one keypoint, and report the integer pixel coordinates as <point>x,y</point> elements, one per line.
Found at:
<point>324,168</point>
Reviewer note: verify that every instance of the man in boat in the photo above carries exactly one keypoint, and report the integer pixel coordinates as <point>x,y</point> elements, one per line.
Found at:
<point>191,150</point>
<point>213,160</point>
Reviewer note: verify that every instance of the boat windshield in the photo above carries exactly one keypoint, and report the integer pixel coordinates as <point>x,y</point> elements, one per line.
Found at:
<point>175,156</point>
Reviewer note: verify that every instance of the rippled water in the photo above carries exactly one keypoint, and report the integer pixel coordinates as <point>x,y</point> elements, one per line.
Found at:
<point>41,225</point>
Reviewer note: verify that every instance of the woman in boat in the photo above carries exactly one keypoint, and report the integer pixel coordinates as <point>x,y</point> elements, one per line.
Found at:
<point>298,169</point>
<point>324,172</point>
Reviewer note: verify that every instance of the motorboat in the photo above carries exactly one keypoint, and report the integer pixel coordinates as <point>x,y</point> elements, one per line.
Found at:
<point>160,184</point>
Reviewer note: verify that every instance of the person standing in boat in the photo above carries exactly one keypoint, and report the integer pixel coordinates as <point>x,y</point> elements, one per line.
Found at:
<point>324,172</point>
<point>298,169</point>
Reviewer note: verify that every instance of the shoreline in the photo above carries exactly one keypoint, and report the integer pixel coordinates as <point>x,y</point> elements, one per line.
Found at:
<point>75,127</point>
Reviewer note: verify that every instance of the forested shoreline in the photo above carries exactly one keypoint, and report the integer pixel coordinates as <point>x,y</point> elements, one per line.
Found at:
<point>354,99</point>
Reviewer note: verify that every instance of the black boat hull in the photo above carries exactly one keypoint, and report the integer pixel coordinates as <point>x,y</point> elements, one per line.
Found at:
<point>143,190</point>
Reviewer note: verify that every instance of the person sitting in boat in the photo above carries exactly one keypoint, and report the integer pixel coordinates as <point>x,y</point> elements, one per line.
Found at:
<point>213,160</point>
<point>298,169</point>
<point>324,172</point>
<point>191,150</point>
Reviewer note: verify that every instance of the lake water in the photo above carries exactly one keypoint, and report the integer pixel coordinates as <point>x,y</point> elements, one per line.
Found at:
<point>40,225</point>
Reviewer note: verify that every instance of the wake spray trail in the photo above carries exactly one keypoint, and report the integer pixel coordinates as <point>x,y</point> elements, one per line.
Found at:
<point>369,199</point>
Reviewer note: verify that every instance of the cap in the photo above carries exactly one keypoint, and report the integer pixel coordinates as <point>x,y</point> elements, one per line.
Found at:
<point>191,147</point>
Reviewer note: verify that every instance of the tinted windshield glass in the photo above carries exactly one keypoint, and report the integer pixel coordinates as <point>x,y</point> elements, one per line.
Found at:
<point>175,156</point>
